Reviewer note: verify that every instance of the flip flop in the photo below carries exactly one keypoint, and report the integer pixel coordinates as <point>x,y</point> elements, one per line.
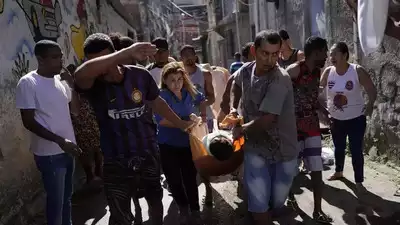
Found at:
<point>292,203</point>
<point>321,217</point>
<point>335,177</point>
<point>208,202</point>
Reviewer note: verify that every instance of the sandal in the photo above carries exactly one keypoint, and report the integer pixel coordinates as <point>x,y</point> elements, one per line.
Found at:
<point>207,201</point>
<point>321,217</point>
<point>336,176</point>
<point>292,203</point>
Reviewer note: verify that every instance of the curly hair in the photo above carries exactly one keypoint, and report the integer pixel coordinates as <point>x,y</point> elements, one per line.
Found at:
<point>96,43</point>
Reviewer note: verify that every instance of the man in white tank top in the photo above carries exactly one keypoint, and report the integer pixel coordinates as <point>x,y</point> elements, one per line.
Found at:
<point>203,81</point>
<point>347,109</point>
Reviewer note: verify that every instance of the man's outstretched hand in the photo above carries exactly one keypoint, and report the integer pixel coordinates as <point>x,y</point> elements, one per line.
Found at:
<point>142,50</point>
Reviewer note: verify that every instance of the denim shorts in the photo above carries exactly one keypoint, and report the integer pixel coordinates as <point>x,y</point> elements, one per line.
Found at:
<point>267,183</point>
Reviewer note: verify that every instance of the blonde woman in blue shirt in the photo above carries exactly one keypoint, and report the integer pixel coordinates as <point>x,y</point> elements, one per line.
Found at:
<point>176,158</point>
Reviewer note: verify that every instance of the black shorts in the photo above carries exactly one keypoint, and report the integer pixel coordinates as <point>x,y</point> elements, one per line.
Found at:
<point>127,178</point>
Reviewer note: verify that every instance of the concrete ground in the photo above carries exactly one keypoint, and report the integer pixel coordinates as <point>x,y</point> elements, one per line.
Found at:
<point>378,207</point>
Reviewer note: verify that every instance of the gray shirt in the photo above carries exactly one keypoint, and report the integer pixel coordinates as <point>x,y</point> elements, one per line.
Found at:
<point>272,93</point>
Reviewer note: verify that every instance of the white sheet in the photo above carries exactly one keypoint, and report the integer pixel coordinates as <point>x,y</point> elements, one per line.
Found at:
<point>372,18</point>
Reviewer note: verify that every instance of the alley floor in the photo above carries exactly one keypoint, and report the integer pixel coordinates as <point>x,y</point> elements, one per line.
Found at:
<point>377,207</point>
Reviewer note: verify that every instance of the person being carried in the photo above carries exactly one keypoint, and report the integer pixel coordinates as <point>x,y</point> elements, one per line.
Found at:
<point>305,76</point>
<point>123,98</point>
<point>45,99</point>
<point>270,150</point>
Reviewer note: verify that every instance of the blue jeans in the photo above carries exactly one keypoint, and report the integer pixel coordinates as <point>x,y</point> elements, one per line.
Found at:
<point>267,183</point>
<point>57,175</point>
<point>354,129</point>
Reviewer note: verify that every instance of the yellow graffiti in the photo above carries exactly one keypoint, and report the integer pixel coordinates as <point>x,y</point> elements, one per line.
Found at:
<point>78,36</point>
<point>1,6</point>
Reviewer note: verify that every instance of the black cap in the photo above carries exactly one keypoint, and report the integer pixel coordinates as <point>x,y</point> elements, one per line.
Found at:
<point>160,43</point>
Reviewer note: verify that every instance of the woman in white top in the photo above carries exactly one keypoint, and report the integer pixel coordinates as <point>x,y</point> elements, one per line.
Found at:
<point>347,109</point>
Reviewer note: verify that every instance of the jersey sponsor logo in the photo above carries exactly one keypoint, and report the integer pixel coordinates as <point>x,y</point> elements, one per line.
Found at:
<point>136,96</point>
<point>126,113</point>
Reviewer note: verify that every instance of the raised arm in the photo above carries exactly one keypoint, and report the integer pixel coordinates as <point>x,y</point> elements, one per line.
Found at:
<point>87,73</point>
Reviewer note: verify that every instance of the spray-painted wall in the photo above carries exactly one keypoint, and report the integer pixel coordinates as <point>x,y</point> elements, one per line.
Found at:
<point>22,23</point>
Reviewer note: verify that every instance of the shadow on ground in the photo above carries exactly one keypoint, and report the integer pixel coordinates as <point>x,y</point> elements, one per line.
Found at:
<point>88,205</point>
<point>365,209</point>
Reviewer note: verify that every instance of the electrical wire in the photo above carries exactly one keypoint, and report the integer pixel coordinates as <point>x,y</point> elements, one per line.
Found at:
<point>186,13</point>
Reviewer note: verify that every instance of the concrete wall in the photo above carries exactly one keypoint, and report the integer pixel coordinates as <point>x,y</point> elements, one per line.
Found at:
<point>333,19</point>
<point>245,36</point>
<point>383,132</point>
<point>22,23</point>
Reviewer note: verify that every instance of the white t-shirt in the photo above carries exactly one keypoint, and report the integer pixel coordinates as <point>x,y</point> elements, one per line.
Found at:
<point>156,74</point>
<point>50,98</point>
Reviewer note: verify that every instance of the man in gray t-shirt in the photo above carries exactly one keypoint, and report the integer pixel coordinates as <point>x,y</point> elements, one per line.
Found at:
<point>266,95</point>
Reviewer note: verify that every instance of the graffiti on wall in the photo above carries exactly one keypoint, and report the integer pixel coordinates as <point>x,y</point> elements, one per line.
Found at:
<point>68,5</point>
<point>81,31</point>
<point>21,66</point>
<point>43,17</point>
<point>78,36</point>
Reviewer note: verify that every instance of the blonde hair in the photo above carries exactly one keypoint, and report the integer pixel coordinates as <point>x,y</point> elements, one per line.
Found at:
<point>176,67</point>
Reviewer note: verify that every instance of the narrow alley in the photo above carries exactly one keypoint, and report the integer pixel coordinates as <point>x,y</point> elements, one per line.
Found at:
<point>378,207</point>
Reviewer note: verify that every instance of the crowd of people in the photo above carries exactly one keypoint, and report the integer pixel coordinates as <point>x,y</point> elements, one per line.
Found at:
<point>126,114</point>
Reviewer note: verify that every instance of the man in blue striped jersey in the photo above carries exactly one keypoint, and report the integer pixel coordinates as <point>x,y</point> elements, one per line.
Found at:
<point>124,98</point>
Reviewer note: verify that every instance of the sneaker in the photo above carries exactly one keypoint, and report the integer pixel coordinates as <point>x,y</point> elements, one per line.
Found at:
<point>322,218</point>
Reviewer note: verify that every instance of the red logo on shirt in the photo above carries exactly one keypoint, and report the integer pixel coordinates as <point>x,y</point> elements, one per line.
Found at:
<point>349,85</point>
